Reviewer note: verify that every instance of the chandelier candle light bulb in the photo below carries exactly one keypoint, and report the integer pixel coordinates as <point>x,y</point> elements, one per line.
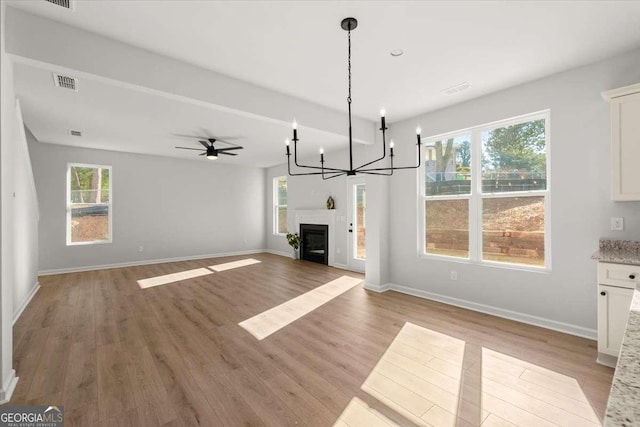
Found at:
<point>286,141</point>
<point>391,144</point>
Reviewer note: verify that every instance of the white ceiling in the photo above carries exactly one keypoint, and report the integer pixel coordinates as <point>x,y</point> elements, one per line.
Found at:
<point>298,48</point>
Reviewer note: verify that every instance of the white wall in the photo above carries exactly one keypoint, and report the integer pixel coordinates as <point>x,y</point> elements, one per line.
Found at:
<point>7,134</point>
<point>565,297</point>
<point>19,218</point>
<point>25,226</point>
<point>174,208</point>
<point>377,237</point>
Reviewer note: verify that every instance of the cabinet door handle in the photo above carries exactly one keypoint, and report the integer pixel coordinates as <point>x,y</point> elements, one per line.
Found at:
<point>603,293</point>
<point>632,276</point>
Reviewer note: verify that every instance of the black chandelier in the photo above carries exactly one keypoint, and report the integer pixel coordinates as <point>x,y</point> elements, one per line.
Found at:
<point>349,24</point>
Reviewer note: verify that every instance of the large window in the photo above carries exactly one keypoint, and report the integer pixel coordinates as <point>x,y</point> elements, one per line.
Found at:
<point>88,204</point>
<point>484,193</point>
<point>280,205</point>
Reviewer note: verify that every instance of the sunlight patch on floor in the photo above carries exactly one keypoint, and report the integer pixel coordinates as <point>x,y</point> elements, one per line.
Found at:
<point>527,394</point>
<point>234,264</point>
<point>418,377</point>
<point>276,318</point>
<point>359,414</point>
<point>173,277</point>
<point>432,379</point>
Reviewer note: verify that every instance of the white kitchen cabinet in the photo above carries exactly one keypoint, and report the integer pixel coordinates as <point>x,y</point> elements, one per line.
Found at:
<point>616,284</point>
<point>613,310</point>
<point>625,142</point>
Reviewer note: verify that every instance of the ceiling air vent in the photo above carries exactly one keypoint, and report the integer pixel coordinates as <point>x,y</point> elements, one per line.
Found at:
<point>456,89</point>
<point>67,4</point>
<point>65,82</point>
<point>75,133</point>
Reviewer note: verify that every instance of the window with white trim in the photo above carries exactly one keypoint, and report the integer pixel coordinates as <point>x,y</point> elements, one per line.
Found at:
<point>280,205</point>
<point>484,193</point>
<point>89,214</point>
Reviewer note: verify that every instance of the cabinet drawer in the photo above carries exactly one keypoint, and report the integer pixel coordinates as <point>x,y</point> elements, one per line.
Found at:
<point>621,275</point>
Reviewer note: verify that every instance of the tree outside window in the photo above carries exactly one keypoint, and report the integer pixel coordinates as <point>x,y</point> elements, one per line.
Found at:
<point>88,204</point>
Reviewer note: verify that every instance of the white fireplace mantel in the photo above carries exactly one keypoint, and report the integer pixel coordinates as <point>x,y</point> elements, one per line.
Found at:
<point>319,217</point>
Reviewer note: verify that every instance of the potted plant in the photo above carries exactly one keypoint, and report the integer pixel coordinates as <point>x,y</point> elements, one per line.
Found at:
<point>294,241</point>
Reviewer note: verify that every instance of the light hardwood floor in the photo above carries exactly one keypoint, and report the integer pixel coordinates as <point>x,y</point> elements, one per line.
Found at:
<point>174,355</point>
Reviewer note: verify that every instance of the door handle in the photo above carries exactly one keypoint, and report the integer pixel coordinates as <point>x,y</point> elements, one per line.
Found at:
<point>603,293</point>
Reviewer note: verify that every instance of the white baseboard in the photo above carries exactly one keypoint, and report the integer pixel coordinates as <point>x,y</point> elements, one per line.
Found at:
<point>160,261</point>
<point>8,387</point>
<point>281,253</point>
<point>500,312</point>
<point>288,255</point>
<point>147,262</point>
<point>377,288</point>
<point>607,360</point>
<point>26,302</point>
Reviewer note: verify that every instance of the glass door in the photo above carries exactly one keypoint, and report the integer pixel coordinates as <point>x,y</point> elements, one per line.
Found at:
<point>357,224</point>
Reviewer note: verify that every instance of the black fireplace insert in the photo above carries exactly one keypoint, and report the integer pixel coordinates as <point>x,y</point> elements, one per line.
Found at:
<point>315,243</point>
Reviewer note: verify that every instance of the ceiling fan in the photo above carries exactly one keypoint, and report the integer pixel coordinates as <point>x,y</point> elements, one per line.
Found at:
<point>210,151</point>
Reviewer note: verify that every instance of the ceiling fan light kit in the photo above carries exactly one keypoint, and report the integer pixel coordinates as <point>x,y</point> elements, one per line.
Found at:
<point>349,24</point>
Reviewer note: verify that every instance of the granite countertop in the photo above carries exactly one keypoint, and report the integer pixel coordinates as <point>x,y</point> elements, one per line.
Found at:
<point>623,408</point>
<point>618,252</point>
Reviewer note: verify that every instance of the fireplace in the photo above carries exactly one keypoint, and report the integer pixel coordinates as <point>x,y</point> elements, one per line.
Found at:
<point>326,217</point>
<point>315,243</point>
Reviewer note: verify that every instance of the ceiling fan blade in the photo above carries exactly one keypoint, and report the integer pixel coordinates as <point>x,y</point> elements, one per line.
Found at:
<point>204,143</point>
<point>180,135</point>
<point>203,154</point>
<point>227,154</point>
<point>230,148</point>
<point>189,148</point>
<point>212,140</point>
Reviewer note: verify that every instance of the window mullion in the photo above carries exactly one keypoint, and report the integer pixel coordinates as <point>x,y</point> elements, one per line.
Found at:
<point>475,202</point>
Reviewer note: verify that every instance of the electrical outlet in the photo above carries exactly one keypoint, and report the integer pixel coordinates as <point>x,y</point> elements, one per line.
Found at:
<point>454,275</point>
<point>617,224</point>
<point>140,248</point>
